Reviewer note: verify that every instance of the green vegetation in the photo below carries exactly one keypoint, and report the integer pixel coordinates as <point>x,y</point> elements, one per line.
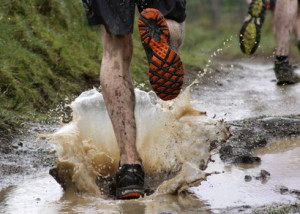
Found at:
<point>48,52</point>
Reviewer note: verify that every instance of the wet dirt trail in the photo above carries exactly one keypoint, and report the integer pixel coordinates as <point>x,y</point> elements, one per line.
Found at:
<point>243,90</point>
<point>258,167</point>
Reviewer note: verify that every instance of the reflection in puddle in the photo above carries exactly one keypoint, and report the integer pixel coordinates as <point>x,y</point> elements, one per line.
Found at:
<point>34,195</point>
<point>41,194</point>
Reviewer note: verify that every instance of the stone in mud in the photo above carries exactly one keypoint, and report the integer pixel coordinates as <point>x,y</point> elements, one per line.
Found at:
<point>15,146</point>
<point>248,178</point>
<point>263,175</point>
<point>251,134</point>
<point>237,155</point>
<point>296,192</point>
<point>282,190</point>
<point>246,159</point>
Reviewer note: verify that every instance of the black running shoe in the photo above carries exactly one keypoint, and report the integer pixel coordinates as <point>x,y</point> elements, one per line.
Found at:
<point>130,181</point>
<point>250,31</point>
<point>284,72</point>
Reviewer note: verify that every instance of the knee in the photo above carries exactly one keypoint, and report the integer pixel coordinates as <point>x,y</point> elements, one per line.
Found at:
<point>117,42</point>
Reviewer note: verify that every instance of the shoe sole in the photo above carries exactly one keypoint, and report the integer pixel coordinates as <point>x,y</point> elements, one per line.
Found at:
<point>250,31</point>
<point>165,66</point>
<point>130,192</point>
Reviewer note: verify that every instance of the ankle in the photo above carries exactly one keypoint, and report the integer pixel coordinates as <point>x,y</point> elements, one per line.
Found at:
<point>130,161</point>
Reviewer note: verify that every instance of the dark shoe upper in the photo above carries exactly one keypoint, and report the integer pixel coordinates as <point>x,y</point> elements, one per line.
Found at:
<point>284,72</point>
<point>257,9</point>
<point>130,181</point>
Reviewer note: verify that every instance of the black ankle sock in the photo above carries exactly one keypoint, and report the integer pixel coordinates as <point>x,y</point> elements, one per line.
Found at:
<point>281,59</point>
<point>298,43</point>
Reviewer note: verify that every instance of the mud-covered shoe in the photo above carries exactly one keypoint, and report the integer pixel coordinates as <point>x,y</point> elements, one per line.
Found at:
<point>284,72</point>
<point>130,181</point>
<point>165,67</point>
<point>250,31</point>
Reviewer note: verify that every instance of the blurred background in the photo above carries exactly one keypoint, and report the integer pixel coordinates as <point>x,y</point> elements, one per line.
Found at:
<point>49,55</point>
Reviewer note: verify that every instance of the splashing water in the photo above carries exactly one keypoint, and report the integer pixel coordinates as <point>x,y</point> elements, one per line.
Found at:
<point>172,137</point>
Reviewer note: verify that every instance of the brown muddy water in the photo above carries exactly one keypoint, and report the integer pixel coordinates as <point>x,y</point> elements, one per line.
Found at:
<point>174,139</point>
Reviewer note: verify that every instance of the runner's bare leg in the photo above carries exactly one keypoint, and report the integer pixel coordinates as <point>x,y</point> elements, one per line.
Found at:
<point>118,89</point>
<point>297,25</point>
<point>284,20</point>
<point>176,33</point>
<point>118,93</point>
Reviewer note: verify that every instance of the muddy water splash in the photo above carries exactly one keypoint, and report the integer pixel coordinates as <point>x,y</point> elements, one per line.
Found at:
<point>172,137</point>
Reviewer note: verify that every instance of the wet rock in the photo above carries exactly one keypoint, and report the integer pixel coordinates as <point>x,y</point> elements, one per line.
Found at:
<point>248,178</point>
<point>246,159</point>
<point>263,175</point>
<point>296,192</point>
<point>282,189</point>
<point>226,151</point>
<point>15,146</point>
<point>214,145</point>
<point>282,126</point>
<point>250,134</point>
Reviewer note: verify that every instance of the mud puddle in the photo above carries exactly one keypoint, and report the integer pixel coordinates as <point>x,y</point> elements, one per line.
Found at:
<point>237,188</point>
<point>249,186</point>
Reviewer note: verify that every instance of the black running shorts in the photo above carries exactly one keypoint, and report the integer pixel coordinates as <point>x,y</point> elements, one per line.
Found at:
<point>272,4</point>
<point>118,15</point>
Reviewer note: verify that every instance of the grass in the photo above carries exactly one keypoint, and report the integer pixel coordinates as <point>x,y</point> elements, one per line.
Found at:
<point>44,57</point>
